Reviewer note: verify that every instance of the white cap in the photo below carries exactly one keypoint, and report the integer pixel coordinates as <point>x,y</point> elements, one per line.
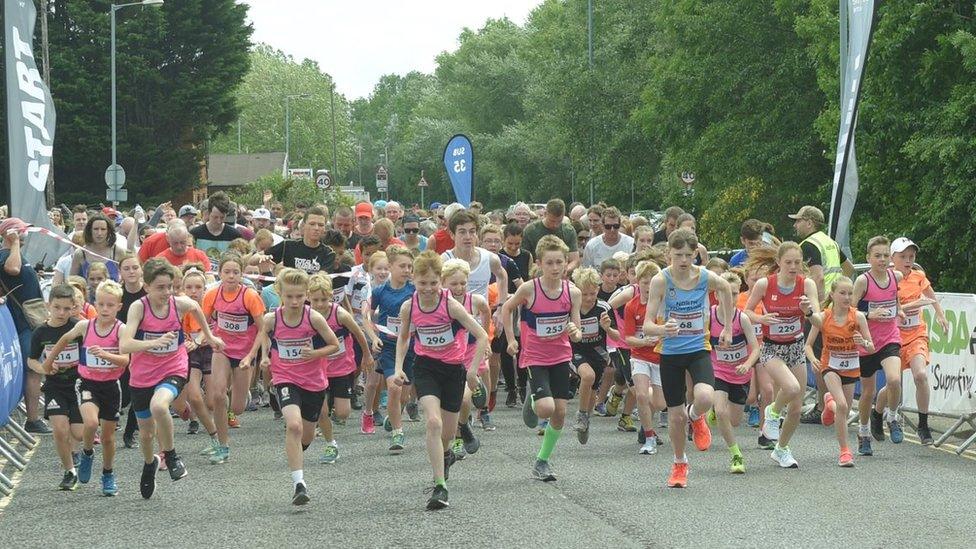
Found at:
<point>261,213</point>
<point>901,244</point>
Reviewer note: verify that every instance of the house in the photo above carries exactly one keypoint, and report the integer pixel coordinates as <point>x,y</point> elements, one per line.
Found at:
<point>225,172</point>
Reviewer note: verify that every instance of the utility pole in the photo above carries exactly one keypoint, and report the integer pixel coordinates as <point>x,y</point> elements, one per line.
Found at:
<point>589,45</point>
<point>335,169</point>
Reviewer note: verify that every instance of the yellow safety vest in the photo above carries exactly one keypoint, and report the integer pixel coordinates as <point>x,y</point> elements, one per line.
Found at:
<point>829,258</point>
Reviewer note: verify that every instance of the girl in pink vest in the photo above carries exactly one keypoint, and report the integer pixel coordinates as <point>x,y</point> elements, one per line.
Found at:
<point>153,335</point>
<point>436,321</point>
<point>295,341</point>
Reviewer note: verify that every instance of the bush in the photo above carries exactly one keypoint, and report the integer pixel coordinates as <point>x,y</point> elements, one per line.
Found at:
<point>290,192</point>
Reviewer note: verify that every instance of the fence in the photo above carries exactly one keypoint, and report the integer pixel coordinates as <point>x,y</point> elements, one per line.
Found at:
<point>14,440</point>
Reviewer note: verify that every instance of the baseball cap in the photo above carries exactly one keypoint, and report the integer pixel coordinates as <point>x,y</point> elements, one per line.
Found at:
<point>380,203</point>
<point>364,209</point>
<point>12,223</point>
<point>435,205</point>
<point>109,212</point>
<point>261,213</point>
<point>411,218</point>
<point>901,244</point>
<point>188,210</point>
<point>810,213</point>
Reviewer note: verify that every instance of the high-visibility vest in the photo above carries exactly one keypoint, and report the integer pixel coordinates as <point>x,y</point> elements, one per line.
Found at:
<point>829,258</point>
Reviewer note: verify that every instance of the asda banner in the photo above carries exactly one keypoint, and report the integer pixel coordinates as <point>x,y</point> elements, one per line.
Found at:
<point>952,365</point>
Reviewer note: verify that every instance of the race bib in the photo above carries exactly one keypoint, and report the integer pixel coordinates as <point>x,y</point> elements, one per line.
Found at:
<point>435,336</point>
<point>692,323</point>
<point>170,348</point>
<point>843,361</point>
<point>393,324</point>
<point>95,363</point>
<point>337,297</point>
<point>342,349</point>
<point>232,323</point>
<point>757,328</point>
<point>590,328</point>
<point>887,310</point>
<point>290,350</point>
<point>912,320</point>
<point>67,358</point>
<point>786,327</point>
<point>551,326</point>
<point>735,355</point>
<point>357,301</point>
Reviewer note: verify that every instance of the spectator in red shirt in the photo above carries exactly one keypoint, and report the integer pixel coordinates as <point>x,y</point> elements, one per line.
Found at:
<point>181,248</point>
<point>155,244</point>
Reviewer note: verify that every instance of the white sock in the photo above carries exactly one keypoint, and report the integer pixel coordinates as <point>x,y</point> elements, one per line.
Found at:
<point>298,477</point>
<point>73,471</point>
<point>682,459</point>
<point>886,413</point>
<point>333,443</point>
<point>863,430</point>
<point>691,413</point>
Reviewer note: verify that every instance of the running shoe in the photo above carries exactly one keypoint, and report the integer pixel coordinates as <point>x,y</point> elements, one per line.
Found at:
<point>147,484</point>
<point>864,446</point>
<point>812,417</point>
<point>37,427</point>
<point>479,396</point>
<point>378,418</point>
<point>543,471</point>
<point>925,435</point>
<point>846,459</point>
<point>85,467</point>
<point>613,403</point>
<point>278,415</point>
<point>701,434</point>
<point>770,427</point>
<point>330,455</point>
<point>355,401</point>
<point>109,487</point>
<point>438,498</point>
<point>366,426</point>
<point>580,424</point>
<point>301,494</point>
<point>232,421</point>
<point>383,398</point>
<point>129,441</point>
<point>396,443</point>
<point>679,476</point>
<point>738,465</point>
<point>450,458</point>
<point>220,456</point>
<point>193,428</point>
<point>387,424</point>
<point>413,412</point>
<point>254,402</point>
<point>486,422</point>
<point>583,435</point>
<point>626,424</point>
<point>784,457</point>
<point>212,449</point>
<point>528,414</point>
<point>649,448</point>
<point>176,468</point>
<point>894,428</point>
<point>827,416</point>
<point>711,418</point>
<point>471,442</point>
<point>662,420</point>
<point>511,401</point>
<point>765,443</point>
<point>754,416</point>
<point>69,483</point>
<point>457,448</point>
<point>600,410</point>
<point>877,426</point>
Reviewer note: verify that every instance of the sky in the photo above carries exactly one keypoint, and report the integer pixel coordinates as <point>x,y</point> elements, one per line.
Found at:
<point>357,41</point>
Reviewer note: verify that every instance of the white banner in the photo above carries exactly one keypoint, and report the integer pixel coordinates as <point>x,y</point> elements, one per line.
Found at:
<point>952,364</point>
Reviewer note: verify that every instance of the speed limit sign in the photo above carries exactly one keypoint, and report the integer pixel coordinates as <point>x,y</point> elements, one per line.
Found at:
<point>323,181</point>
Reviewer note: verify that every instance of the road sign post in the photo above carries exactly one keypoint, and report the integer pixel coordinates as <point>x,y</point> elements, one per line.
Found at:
<point>323,180</point>
<point>382,185</point>
<point>115,180</point>
<point>423,185</point>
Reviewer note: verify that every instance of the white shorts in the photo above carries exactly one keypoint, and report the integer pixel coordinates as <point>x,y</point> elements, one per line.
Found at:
<point>649,369</point>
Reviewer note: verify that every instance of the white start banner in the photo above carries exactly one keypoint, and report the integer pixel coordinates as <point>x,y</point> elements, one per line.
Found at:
<point>952,358</point>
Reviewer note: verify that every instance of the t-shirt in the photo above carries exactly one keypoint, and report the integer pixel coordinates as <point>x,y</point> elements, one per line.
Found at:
<point>296,254</point>
<point>593,335</point>
<point>153,245</point>
<point>193,255</point>
<point>270,298</point>
<point>511,269</point>
<point>43,338</point>
<point>387,301</point>
<point>127,300</point>
<point>739,258</point>
<point>29,288</point>
<point>660,236</point>
<point>597,251</point>
<point>534,232</point>
<point>354,238</point>
<point>522,260</point>
<point>212,244</point>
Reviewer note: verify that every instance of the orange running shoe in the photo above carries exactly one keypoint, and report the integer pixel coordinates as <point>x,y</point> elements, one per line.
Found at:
<point>232,420</point>
<point>701,434</point>
<point>679,476</point>
<point>846,458</point>
<point>827,416</point>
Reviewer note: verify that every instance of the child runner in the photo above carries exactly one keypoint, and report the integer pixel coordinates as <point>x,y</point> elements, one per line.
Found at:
<point>590,355</point>
<point>98,391</point>
<point>154,337</point>
<point>783,295</point>
<point>682,290</point>
<point>378,272</point>
<point>550,308</point>
<point>200,356</point>
<point>645,361</point>
<point>844,330</point>
<point>61,374</point>
<point>237,312</point>
<point>438,371</point>
<point>733,370</point>
<point>876,295</point>
<point>340,367</point>
<point>915,292</point>
<point>387,300</point>
<point>300,339</point>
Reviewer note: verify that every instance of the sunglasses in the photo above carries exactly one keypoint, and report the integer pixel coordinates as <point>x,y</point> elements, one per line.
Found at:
<point>411,231</point>
<point>611,226</point>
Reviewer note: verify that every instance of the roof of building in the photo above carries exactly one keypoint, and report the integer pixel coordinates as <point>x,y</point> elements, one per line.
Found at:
<point>232,170</point>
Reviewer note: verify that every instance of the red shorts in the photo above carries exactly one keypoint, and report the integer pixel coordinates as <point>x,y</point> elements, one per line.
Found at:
<point>917,346</point>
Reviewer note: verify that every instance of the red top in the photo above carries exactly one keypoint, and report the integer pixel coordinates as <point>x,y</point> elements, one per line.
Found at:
<point>152,246</point>
<point>789,325</point>
<point>193,255</point>
<point>444,241</point>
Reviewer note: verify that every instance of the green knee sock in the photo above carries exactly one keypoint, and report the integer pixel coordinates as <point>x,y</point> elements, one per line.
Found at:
<point>549,442</point>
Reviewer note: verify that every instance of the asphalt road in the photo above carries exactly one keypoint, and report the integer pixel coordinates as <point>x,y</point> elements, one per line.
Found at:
<point>606,496</point>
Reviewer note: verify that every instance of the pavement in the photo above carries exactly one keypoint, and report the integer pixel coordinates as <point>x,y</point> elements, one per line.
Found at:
<point>905,495</point>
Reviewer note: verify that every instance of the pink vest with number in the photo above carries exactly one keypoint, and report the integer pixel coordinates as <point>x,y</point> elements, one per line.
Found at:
<point>94,368</point>
<point>437,334</point>
<point>287,364</point>
<point>148,368</point>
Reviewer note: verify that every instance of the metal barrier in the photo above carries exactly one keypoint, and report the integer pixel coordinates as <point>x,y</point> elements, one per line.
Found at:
<point>14,440</point>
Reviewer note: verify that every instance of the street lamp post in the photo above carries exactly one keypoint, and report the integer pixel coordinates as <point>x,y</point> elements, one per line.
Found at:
<point>115,8</point>
<point>288,124</point>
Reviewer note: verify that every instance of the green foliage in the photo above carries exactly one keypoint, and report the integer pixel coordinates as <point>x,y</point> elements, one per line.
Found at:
<point>291,192</point>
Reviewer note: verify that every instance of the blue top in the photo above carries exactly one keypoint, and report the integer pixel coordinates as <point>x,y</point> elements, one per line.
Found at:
<point>388,301</point>
<point>29,288</point>
<point>739,258</point>
<point>689,308</point>
<point>270,297</point>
